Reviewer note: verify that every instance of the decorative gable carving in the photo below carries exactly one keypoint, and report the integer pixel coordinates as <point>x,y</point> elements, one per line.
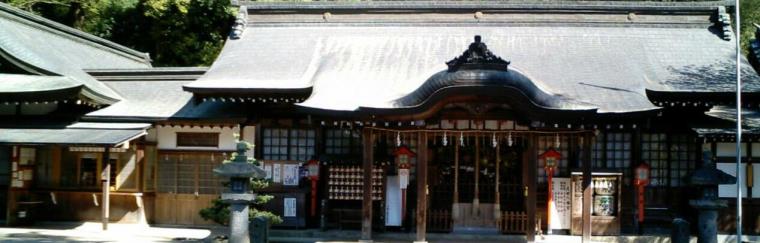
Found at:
<point>477,56</point>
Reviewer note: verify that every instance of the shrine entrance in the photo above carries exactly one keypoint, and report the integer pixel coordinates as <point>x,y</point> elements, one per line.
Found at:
<point>476,176</point>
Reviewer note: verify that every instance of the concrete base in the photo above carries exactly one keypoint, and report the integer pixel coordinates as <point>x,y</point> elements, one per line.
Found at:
<point>420,242</point>
<point>365,241</point>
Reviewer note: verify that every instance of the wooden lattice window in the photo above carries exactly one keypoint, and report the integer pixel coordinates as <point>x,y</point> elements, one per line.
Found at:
<point>682,158</point>
<point>275,144</point>
<point>197,139</point>
<point>301,144</point>
<point>288,144</point>
<point>654,152</point>
<point>618,153</point>
<point>189,173</point>
<point>342,142</point>
<point>597,153</point>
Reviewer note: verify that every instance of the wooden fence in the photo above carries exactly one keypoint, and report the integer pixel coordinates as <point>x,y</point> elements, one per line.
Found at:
<point>513,222</point>
<point>439,221</point>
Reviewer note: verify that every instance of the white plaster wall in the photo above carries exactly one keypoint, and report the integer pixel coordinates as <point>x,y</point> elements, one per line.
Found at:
<point>249,135</point>
<point>756,150</point>
<point>729,190</point>
<point>167,137</point>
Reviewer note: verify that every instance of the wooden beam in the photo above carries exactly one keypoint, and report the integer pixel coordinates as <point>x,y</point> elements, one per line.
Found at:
<point>531,175</point>
<point>586,215</point>
<point>421,186</point>
<point>106,182</point>
<point>368,142</point>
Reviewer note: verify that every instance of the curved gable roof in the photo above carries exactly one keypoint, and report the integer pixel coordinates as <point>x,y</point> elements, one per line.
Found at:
<point>603,58</point>
<point>43,47</point>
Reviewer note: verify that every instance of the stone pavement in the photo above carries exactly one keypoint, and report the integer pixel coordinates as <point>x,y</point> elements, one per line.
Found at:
<point>91,232</point>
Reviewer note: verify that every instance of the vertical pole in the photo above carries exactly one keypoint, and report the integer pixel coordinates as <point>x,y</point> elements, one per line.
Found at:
<point>586,187</point>
<point>368,142</point>
<point>531,177</point>
<point>422,189</point>
<point>106,182</point>
<point>738,126</point>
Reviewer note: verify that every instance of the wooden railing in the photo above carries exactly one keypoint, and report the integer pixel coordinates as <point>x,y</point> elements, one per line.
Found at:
<point>439,221</point>
<point>513,222</point>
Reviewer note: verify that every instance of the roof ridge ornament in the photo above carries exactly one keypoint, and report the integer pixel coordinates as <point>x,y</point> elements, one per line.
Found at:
<point>477,56</point>
<point>723,21</point>
<point>241,21</point>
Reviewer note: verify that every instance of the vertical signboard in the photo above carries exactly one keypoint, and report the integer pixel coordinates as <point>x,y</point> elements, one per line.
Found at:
<point>562,204</point>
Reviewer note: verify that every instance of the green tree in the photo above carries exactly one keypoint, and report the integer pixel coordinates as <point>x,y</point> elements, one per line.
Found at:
<point>750,15</point>
<point>174,32</point>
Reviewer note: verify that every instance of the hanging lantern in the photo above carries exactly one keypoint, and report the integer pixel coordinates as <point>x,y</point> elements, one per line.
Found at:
<point>556,141</point>
<point>509,140</point>
<point>641,180</point>
<point>398,139</point>
<point>494,141</point>
<point>313,175</point>
<point>445,140</point>
<point>403,154</point>
<point>461,139</point>
<point>550,158</point>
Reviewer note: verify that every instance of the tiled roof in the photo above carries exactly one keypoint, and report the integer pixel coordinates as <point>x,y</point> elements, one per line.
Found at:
<point>43,47</point>
<point>608,67</point>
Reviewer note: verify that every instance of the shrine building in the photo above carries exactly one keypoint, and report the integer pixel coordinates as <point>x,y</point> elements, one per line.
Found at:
<point>479,117</point>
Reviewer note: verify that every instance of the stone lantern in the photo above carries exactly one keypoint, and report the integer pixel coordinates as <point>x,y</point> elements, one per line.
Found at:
<point>707,180</point>
<point>240,170</point>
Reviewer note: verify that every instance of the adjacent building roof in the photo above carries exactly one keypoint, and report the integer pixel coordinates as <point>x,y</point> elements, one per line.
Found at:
<point>364,55</point>
<point>104,134</point>
<point>727,116</point>
<point>44,48</point>
<point>156,94</point>
<point>25,87</point>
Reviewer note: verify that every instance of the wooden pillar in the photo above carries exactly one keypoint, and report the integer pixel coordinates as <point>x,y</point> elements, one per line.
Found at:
<point>422,190</point>
<point>368,143</point>
<point>530,177</point>
<point>55,167</point>
<point>12,200</point>
<point>635,161</point>
<point>497,193</point>
<point>476,194</point>
<point>455,201</point>
<point>586,215</point>
<point>106,182</point>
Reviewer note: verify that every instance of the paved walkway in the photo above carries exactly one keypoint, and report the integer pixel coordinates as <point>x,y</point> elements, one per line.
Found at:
<point>91,232</point>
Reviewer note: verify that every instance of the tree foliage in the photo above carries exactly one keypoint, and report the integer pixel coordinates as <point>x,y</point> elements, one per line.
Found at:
<point>750,15</point>
<point>174,32</point>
